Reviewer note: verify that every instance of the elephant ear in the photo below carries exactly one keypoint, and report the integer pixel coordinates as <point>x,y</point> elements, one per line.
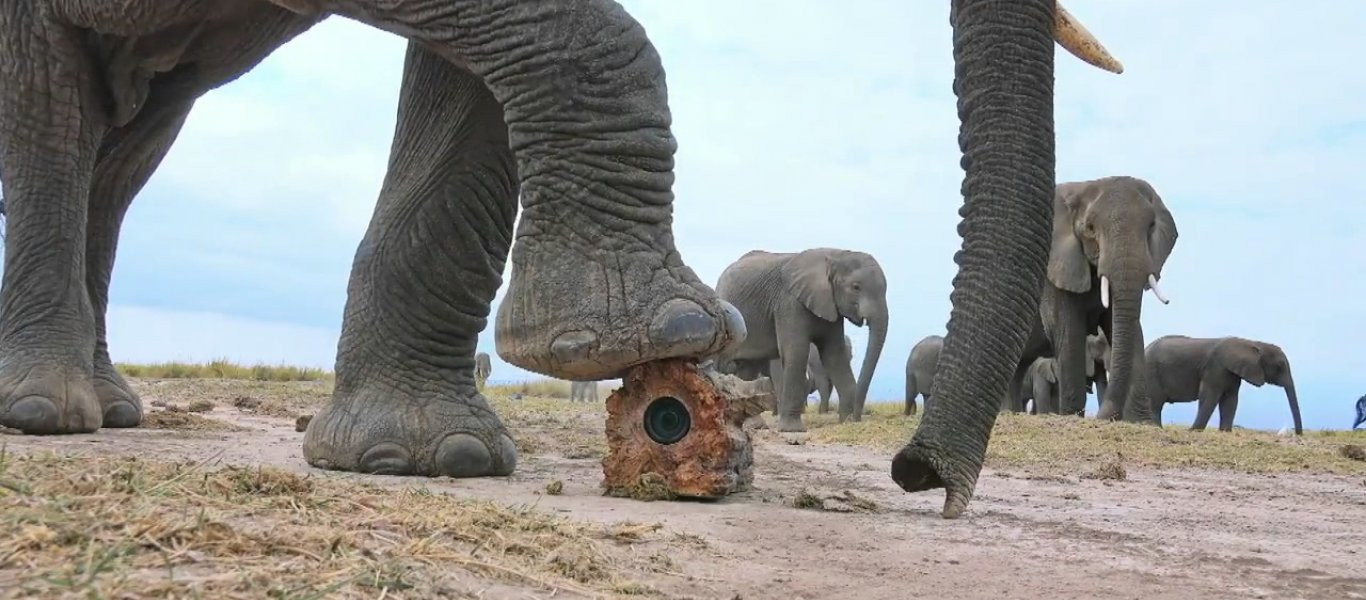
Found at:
<point>1244,360</point>
<point>1162,238</point>
<point>808,279</point>
<point>1090,368</point>
<point>1068,268</point>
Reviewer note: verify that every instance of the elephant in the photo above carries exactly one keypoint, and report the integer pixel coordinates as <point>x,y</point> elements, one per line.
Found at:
<point>1361,413</point>
<point>583,390</point>
<point>792,300</point>
<point>1041,380</point>
<point>920,368</point>
<point>1185,369</point>
<point>1112,231</point>
<point>483,367</point>
<point>1003,77</point>
<point>558,106</point>
<point>818,380</point>
<point>1098,352</point>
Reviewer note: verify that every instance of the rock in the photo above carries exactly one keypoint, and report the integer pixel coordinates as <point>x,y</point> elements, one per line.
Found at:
<point>713,458</point>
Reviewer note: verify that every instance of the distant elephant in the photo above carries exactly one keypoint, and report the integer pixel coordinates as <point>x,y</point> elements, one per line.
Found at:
<point>817,379</point>
<point>791,300</point>
<point>1110,239</point>
<point>586,391</point>
<point>1361,413</point>
<point>920,369</point>
<point>1098,351</point>
<point>1042,377</point>
<point>1185,369</point>
<point>483,367</point>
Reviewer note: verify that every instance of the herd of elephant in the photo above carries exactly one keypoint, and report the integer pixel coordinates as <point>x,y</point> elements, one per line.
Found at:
<point>560,108</point>
<point>1110,239</point>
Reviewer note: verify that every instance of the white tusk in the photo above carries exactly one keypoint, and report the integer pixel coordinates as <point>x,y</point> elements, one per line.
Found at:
<point>1074,38</point>
<point>1157,291</point>
<point>1105,291</point>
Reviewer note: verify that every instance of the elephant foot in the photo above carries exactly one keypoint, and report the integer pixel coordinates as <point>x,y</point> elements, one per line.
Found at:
<point>790,424</point>
<point>918,467</point>
<point>119,404</point>
<point>590,311</point>
<point>46,399</point>
<point>387,430</point>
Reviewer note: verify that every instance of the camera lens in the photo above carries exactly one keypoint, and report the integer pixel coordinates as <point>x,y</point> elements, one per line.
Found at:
<point>667,421</point>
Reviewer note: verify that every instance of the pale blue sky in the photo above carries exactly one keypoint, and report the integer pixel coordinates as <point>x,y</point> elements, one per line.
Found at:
<point>843,115</point>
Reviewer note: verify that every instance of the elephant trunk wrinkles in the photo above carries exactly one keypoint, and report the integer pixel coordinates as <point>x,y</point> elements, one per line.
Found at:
<point>1294,401</point>
<point>1005,106</point>
<point>877,336</point>
<point>1126,304</point>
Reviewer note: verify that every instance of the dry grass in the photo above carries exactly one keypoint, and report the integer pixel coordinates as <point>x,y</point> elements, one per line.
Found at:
<point>223,369</point>
<point>181,420</point>
<point>101,527</point>
<point>1072,445</point>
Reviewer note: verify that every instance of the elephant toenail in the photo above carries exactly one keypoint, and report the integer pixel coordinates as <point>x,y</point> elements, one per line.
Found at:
<point>33,415</point>
<point>573,346</point>
<point>683,323</point>
<point>386,458</point>
<point>735,325</point>
<point>507,458</point>
<point>122,414</point>
<point>463,455</point>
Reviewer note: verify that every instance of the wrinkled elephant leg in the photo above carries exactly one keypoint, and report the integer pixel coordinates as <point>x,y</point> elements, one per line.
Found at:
<point>1228,407</point>
<point>49,134</point>
<point>405,401</point>
<point>1209,397</point>
<point>1069,346</point>
<point>126,159</point>
<point>1157,403</point>
<point>1012,401</point>
<point>788,377</point>
<point>836,360</point>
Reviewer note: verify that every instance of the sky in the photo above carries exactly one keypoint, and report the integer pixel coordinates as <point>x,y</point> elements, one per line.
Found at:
<point>803,124</point>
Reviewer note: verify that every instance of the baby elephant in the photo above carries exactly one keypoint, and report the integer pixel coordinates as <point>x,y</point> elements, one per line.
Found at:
<point>482,368</point>
<point>586,391</point>
<point>1185,369</point>
<point>920,367</point>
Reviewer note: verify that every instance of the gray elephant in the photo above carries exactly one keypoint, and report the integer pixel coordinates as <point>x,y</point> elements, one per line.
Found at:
<point>583,391</point>
<point>1110,239</point>
<point>791,300</point>
<point>1098,352</point>
<point>1003,61</point>
<point>483,367</point>
<point>818,380</point>
<point>561,106</point>
<point>920,368</point>
<point>1185,369</point>
<point>1041,379</point>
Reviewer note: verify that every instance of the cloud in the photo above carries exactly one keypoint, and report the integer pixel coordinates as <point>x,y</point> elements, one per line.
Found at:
<point>805,124</point>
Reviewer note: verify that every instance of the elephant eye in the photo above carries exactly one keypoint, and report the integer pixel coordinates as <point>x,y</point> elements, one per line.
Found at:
<point>856,286</point>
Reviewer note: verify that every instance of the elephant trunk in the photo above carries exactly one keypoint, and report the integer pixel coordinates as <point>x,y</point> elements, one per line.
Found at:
<point>877,336</point>
<point>1005,105</point>
<point>1294,400</point>
<point>1126,302</point>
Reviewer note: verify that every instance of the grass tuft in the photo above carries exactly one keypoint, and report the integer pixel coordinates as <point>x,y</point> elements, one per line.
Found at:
<point>222,369</point>
<point>93,526</point>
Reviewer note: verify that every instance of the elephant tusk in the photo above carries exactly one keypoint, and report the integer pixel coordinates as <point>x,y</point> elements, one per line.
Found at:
<point>1074,38</point>
<point>1157,291</point>
<point>1105,291</point>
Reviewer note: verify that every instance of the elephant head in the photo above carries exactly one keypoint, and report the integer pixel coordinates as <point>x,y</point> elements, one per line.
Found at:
<point>1097,351</point>
<point>843,284</point>
<point>1114,232</point>
<point>1003,77</point>
<point>1258,363</point>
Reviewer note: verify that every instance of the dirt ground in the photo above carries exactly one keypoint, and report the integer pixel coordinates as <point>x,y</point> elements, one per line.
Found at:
<point>1156,534</point>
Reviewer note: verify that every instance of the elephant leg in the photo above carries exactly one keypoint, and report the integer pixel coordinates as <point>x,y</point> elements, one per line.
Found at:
<point>835,358</point>
<point>126,159</point>
<point>792,347</point>
<point>405,401</point>
<point>597,285</point>
<point>911,393</point>
<point>1013,401</point>
<point>826,389</point>
<point>1228,407</point>
<point>1101,382</point>
<point>1044,403</point>
<point>1156,402</point>
<point>1209,396</point>
<point>50,130</point>
<point>1069,345</point>
<point>773,370</point>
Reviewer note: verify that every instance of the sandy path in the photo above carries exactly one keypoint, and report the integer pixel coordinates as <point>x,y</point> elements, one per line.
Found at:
<point>1156,535</point>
